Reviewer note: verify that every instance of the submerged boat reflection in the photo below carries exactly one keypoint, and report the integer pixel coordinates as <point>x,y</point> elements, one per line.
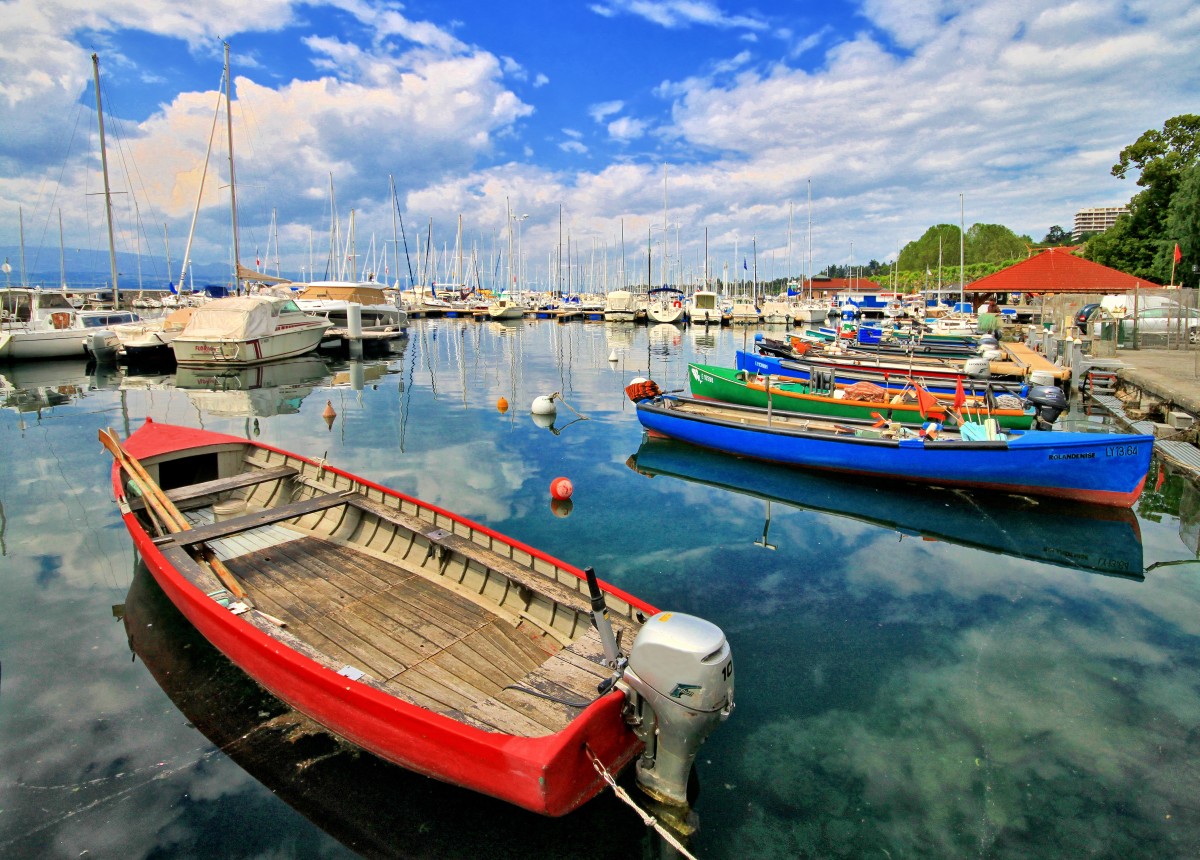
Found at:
<point>1094,538</point>
<point>30,387</point>
<point>374,808</point>
<point>277,388</point>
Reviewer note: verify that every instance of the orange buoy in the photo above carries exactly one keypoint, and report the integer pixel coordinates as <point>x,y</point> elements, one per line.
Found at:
<point>561,489</point>
<point>502,405</point>
<point>329,414</point>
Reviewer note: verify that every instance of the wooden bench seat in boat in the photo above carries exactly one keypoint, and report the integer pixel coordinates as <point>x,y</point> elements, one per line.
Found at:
<point>206,489</point>
<point>443,541</point>
<point>386,608</point>
<point>420,641</point>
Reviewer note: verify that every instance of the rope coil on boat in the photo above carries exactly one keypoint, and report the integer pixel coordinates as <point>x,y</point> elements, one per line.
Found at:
<point>647,819</point>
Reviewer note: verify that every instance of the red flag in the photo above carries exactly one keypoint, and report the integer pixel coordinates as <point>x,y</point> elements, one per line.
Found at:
<point>1178,253</point>
<point>926,402</point>
<point>960,396</point>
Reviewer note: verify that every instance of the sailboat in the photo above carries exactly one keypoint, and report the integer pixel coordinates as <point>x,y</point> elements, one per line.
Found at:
<point>44,324</point>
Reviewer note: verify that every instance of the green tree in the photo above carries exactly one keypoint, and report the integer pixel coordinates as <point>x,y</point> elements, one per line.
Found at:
<point>1183,226</point>
<point>1057,236</point>
<point>1160,158</point>
<point>993,243</point>
<point>923,253</point>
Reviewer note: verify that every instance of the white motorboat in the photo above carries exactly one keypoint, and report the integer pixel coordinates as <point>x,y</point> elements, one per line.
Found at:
<point>776,312</point>
<point>704,308</point>
<point>505,308</point>
<point>248,330</point>
<point>149,341</point>
<point>621,306</point>
<point>332,299</point>
<point>43,324</point>
<point>745,312</point>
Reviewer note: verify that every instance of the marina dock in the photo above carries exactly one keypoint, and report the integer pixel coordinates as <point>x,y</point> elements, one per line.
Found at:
<point>1151,384</point>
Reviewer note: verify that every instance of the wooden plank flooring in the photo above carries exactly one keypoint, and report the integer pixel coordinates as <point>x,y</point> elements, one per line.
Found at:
<point>424,643</point>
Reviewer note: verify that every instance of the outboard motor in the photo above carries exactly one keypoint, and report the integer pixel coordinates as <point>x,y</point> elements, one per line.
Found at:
<point>977,367</point>
<point>679,682</point>
<point>1050,402</point>
<point>989,348</point>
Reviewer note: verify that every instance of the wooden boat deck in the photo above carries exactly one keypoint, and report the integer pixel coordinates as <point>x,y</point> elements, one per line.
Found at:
<point>395,601</point>
<point>422,642</point>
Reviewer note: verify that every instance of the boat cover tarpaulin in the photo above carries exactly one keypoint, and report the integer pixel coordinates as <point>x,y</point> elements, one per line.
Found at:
<point>243,318</point>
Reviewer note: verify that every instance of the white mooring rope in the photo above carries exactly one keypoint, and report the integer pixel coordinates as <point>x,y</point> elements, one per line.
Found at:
<point>647,819</point>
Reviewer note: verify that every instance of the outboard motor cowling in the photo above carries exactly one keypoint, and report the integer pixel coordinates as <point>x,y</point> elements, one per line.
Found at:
<point>1050,402</point>
<point>977,367</point>
<point>680,684</point>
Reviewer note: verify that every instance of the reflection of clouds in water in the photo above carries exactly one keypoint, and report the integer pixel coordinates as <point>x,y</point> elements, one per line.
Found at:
<point>476,480</point>
<point>76,753</point>
<point>1010,739</point>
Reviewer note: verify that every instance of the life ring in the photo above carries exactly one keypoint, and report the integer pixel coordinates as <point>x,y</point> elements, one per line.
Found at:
<point>677,304</point>
<point>60,319</point>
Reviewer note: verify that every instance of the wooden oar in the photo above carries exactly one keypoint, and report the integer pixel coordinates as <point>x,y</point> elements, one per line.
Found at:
<point>166,511</point>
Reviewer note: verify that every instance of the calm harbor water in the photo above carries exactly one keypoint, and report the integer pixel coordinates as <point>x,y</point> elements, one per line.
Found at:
<point>921,673</point>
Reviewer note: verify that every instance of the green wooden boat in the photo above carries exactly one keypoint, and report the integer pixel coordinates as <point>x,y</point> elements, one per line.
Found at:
<point>727,385</point>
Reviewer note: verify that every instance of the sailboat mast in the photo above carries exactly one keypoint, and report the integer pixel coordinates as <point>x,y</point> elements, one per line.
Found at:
<point>808,251</point>
<point>237,257</point>
<point>112,248</point>
<point>62,254</point>
<point>962,272</point>
<point>663,265</point>
<point>167,246</point>
<point>791,215</point>
<point>21,226</point>
<point>458,272</point>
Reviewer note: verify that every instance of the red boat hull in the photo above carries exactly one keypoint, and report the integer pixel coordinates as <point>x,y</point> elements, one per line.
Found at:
<point>550,775</point>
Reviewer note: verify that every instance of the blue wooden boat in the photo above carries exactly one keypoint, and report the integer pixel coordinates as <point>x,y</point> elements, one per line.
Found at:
<point>798,368</point>
<point>1103,468</point>
<point>1093,538</point>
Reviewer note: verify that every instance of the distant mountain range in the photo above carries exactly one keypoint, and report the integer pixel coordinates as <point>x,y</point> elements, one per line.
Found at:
<point>86,269</point>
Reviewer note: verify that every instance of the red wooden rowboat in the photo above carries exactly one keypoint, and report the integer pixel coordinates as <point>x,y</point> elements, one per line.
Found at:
<point>425,638</point>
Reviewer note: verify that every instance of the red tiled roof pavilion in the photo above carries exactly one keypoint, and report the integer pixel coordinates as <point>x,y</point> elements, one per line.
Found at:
<point>1057,270</point>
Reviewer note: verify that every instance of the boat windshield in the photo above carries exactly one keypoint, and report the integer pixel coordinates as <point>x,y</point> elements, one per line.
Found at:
<point>105,320</point>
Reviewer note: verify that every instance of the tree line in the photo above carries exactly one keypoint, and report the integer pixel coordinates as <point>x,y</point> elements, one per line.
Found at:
<point>1163,215</point>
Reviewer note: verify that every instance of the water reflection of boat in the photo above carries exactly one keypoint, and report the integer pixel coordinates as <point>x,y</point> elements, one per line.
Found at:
<point>374,808</point>
<point>260,391</point>
<point>34,386</point>
<point>358,374</point>
<point>1095,538</point>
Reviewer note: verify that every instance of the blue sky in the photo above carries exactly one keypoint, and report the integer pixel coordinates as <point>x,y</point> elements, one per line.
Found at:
<point>887,109</point>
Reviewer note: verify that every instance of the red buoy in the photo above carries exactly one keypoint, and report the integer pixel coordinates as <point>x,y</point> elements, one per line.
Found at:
<point>561,488</point>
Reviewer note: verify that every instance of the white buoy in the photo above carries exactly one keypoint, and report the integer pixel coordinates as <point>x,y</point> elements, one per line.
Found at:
<point>543,406</point>
<point>612,356</point>
<point>638,380</point>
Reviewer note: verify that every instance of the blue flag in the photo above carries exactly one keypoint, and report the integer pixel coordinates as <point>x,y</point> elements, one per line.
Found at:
<point>743,264</point>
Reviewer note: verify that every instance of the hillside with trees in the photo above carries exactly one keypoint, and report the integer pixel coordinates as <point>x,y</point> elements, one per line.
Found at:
<point>1166,164</point>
